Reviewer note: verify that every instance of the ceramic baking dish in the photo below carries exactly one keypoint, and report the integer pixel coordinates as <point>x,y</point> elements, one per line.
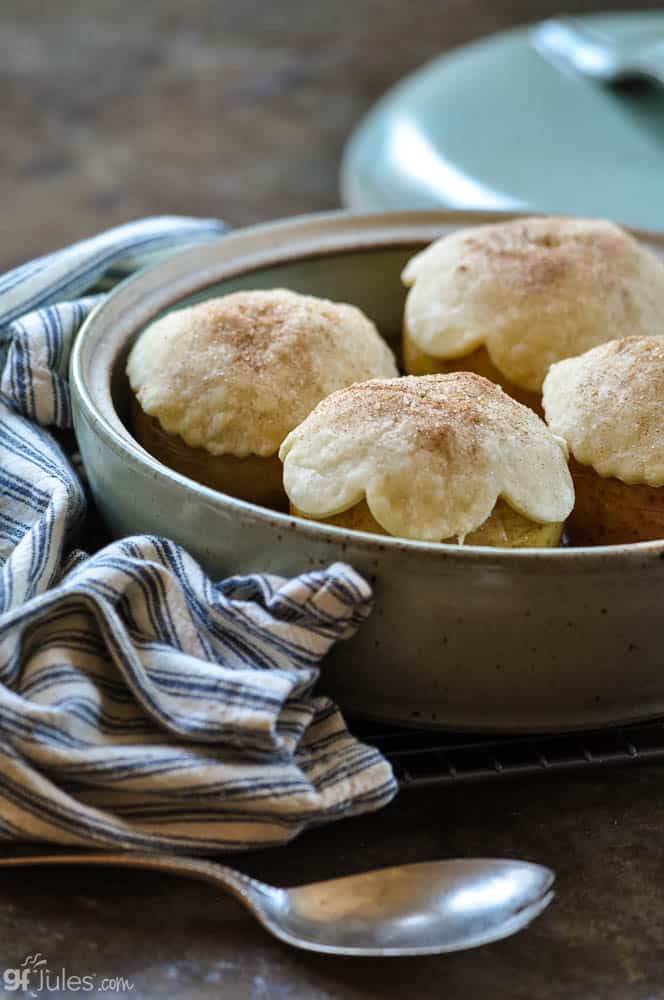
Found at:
<point>465,638</point>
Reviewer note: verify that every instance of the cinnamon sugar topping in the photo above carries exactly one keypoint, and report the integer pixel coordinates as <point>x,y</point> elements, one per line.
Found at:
<point>431,455</point>
<point>235,374</point>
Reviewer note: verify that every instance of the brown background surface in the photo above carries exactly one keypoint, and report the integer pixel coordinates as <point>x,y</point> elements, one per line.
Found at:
<point>240,108</point>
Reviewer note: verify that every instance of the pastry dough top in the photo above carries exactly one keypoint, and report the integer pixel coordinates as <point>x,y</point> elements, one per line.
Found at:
<point>532,291</point>
<point>431,455</point>
<point>235,374</point>
<point>608,404</point>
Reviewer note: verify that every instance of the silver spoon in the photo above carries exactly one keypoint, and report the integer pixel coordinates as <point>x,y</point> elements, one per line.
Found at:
<point>420,909</point>
<point>569,43</point>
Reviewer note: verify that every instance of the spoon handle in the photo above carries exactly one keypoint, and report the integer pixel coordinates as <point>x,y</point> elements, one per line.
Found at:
<point>246,889</point>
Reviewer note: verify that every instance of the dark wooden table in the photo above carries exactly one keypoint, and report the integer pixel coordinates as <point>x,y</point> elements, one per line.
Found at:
<point>240,109</point>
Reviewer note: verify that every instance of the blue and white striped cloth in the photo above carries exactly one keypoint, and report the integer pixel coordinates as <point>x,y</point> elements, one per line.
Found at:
<point>141,704</point>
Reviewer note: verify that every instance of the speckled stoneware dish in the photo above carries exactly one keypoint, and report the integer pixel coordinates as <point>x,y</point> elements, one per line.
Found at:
<point>463,638</point>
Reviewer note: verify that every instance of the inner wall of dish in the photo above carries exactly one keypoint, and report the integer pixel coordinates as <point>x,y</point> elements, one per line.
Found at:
<point>369,279</point>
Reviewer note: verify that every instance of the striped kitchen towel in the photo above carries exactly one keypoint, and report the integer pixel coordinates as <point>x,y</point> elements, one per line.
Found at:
<point>143,705</point>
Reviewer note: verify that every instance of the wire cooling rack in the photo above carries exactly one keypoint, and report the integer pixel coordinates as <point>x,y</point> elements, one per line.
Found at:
<point>429,758</point>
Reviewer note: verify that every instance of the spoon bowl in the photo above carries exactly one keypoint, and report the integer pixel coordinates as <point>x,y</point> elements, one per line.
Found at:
<point>419,909</point>
<point>415,909</point>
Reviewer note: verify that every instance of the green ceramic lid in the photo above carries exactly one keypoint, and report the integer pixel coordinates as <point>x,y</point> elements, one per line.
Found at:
<point>493,125</point>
